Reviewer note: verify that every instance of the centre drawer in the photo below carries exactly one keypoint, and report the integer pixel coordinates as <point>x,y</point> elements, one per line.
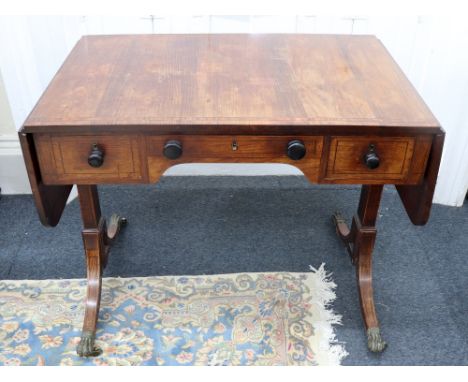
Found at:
<point>218,148</point>
<point>235,149</point>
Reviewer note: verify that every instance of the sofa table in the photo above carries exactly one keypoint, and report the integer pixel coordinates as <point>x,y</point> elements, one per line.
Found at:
<point>123,109</point>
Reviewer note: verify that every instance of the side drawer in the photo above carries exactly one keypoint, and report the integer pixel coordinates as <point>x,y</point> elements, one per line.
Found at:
<point>345,161</point>
<point>63,159</point>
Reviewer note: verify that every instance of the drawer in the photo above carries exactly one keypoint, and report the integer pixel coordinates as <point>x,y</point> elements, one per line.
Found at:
<point>346,159</point>
<point>219,148</point>
<point>64,159</point>
<point>234,149</point>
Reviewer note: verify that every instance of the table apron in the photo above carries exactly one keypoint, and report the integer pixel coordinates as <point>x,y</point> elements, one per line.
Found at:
<point>139,158</point>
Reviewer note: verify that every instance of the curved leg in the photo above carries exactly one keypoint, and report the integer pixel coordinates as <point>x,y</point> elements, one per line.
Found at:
<point>359,241</point>
<point>366,239</point>
<point>97,241</point>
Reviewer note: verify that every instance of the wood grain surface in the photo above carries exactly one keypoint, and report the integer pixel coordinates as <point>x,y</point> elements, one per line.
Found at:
<point>217,84</point>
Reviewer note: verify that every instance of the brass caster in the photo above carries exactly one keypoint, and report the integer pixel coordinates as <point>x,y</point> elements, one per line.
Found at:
<point>338,218</point>
<point>375,343</point>
<point>86,347</point>
<point>344,234</point>
<point>116,222</point>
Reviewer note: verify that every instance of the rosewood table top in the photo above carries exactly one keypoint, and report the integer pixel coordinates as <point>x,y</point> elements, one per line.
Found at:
<point>212,83</point>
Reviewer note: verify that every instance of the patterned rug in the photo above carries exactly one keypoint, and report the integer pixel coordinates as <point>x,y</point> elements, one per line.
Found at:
<point>231,319</point>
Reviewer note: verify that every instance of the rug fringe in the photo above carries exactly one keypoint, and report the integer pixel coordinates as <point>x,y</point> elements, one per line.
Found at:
<point>329,349</point>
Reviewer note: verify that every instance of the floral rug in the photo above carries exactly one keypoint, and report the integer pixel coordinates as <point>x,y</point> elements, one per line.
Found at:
<point>231,319</point>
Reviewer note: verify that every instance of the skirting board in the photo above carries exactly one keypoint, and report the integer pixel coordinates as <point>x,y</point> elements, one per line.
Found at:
<point>14,179</point>
<point>13,176</point>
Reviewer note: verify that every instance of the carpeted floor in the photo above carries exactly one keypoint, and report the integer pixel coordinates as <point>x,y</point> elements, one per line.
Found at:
<point>211,225</point>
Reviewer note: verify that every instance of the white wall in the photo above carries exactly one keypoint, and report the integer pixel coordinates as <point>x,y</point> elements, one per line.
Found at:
<point>433,52</point>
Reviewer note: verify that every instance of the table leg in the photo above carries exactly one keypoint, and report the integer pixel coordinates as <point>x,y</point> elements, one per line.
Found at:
<point>97,240</point>
<point>359,242</point>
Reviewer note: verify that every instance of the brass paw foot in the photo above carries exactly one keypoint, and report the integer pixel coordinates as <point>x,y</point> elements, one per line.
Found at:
<point>86,347</point>
<point>375,343</point>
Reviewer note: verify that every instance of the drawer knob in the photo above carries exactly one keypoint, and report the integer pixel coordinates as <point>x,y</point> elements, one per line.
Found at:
<point>371,159</point>
<point>296,150</point>
<point>96,156</point>
<point>172,149</point>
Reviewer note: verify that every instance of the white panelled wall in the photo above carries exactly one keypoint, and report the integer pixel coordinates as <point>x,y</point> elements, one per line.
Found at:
<point>432,51</point>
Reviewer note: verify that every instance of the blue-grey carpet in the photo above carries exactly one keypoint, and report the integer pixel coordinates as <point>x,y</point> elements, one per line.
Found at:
<point>210,225</point>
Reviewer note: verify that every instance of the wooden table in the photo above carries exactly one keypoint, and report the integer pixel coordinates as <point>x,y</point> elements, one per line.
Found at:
<point>123,109</point>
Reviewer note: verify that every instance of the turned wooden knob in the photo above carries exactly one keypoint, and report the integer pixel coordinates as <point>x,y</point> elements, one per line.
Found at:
<point>296,150</point>
<point>371,159</point>
<point>172,149</point>
<point>96,156</point>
